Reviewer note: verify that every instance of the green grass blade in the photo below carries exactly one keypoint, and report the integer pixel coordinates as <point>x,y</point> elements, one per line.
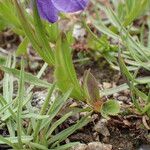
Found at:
<point>14,140</point>
<point>65,133</point>
<point>22,48</point>
<point>28,77</point>
<point>38,146</point>
<point>7,106</point>
<point>20,105</point>
<point>41,34</point>
<point>6,141</point>
<point>55,108</point>
<point>65,74</point>
<point>7,95</point>
<point>57,123</point>
<point>26,25</point>
<point>42,112</point>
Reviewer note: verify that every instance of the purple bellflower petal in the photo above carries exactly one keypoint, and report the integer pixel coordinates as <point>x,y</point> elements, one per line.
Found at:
<point>70,5</point>
<point>47,10</point>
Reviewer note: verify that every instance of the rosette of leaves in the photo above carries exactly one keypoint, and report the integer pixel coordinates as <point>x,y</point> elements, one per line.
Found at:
<point>29,127</point>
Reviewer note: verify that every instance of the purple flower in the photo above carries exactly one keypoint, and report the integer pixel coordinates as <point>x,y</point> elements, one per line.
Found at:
<point>49,9</point>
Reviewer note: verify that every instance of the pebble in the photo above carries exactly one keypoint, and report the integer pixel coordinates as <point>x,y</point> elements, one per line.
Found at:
<point>79,147</point>
<point>107,85</point>
<point>123,98</point>
<point>101,127</point>
<point>115,95</point>
<point>99,146</point>
<point>144,147</point>
<point>93,146</point>
<point>126,92</point>
<point>39,98</point>
<point>78,32</point>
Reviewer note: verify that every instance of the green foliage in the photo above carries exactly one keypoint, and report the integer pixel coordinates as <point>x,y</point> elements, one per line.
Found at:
<point>22,47</point>
<point>90,84</point>
<point>39,132</point>
<point>91,90</point>
<point>140,99</point>
<point>110,108</point>
<point>41,35</point>
<point>101,44</point>
<point>37,38</point>
<point>65,77</point>
<point>53,32</point>
<point>2,24</point>
<point>117,35</point>
<point>29,78</point>
<point>65,74</point>
<point>127,10</point>
<point>7,13</point>
<point>117,28</point>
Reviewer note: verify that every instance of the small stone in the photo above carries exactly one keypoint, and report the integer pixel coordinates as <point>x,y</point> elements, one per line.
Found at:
<point>83,113</point>
<point>96,136</point>
<point>126,92</point>
<point>28,11</point>
<point>144,147</point>
<point>115,95</point>
<point>126,122</point>
<point>34,65</point>
<point>106,139</point>
<point>99,146</point>
<point>78,32</point>
<point>79,147</point>
<point>74,104</point>
<point>67,140</point>
<point>38,99</point>
<point>114,84</point>
<point>107,85</point>
<point>123,98</point>
<point>94,117</point>
<point>101,127</point>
